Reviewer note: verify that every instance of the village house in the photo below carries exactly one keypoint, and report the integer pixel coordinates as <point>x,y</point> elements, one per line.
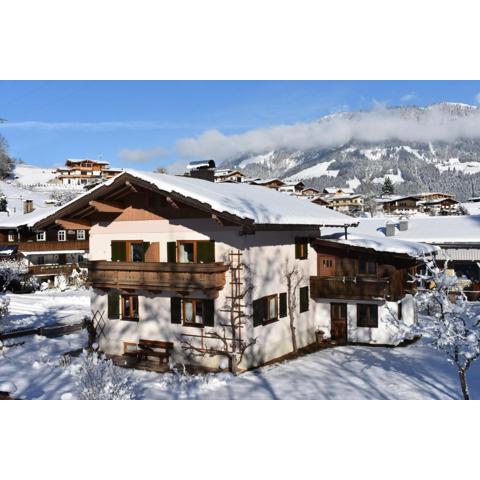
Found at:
<point>350,203</point>
<point>228,175</point>
<point>80,173</point>
<point>173,259</point>
<point>52,251</point>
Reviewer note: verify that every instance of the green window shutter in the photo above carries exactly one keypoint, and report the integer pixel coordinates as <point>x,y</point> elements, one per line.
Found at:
<point>172,252</point>
<point>283,305</point>
<point>114,307</point>
<point>304,299</point>
<point>119,251</point>
<point>176,310</point>
<point>209,313</point>
<point>259,311</point>
<point>297,250</point>
<point>206,252</point>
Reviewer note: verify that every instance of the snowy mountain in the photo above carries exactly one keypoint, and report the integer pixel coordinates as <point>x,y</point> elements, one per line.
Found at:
<point>433,148</point>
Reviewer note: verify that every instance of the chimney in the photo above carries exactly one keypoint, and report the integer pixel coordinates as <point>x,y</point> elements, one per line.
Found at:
<point>403,224</point>
<point>27,206</point>
<point>203,169</point>
<point>390,228</point>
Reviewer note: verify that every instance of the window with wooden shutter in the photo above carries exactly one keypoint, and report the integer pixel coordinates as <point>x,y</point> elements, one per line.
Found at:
<point>114,307</point>
<point>283,305</point>
<point>152,254</point>
<point>205,252</point>
<point>367,315</point>
<point>304,300</point>
<point>301,249</point>
<point>119,251</point>
<point>172,252</point>
<point>259,311</point>
<point>209,313</point>
<point>176,310</point>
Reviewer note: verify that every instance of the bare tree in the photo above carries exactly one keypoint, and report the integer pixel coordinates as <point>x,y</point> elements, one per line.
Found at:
<point>231,342</point>
<point>294,278</point>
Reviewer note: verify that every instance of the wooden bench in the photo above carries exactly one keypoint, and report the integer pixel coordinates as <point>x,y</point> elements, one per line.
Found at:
<point>151,348</point>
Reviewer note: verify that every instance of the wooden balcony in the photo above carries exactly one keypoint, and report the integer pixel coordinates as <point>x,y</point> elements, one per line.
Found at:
<point>46,270</point>
<point>52,246</point>
<point>354,288</point>
<point>158,276</point>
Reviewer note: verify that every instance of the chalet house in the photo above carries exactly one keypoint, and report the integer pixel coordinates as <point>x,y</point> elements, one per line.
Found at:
<point>310,192</point>
<point>440,206</point>
<point>338,191</point>
<point>274,183</point>
<point>228,175</point>
<point>54,250</point>
<point>457,236</point>
<point>174,259</point>
<point>294,188</point>
<point>401,205</point>
<point>80,173</point>
<point>345,203</point>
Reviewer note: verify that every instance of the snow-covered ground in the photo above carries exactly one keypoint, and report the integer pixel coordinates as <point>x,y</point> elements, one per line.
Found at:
<point>315,171</point>
<point>38,371</point>
<point>47,308</point>
<point>37,368</point>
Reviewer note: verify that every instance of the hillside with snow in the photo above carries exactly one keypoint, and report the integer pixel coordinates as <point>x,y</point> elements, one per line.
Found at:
<point>449,162</point>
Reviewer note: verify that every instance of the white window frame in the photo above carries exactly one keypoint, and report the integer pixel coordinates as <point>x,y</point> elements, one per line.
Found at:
<point>64,235</point>
<point>11,236</point>
<point>41,236</point>
<point>82,235</point>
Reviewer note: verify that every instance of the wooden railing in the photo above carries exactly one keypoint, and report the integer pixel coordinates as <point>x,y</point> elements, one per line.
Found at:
<point>354,288</point>
<point>52,246</point>
<point>157,276</point>
<point>50,269</point>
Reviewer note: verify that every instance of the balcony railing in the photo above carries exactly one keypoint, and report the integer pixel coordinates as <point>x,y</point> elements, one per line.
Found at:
<point>354,288</point>
<point>157,276</point>
<point>40,270</point>
<point>52,246</point>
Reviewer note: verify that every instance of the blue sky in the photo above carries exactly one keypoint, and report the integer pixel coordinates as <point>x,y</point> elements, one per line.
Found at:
<point>141,124</point>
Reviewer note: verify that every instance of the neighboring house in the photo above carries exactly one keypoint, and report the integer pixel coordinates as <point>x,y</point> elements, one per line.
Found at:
<point>320,200</point>
<point>167,254</point>
<point>440,206</point>
<point>274,183</point>
<point>400,205</point>
<point>228,175</point>
<point>310,192</point>
<point>350,203</point>
<point>54,250</point>
<point>294,188</point>
<point>457,236</point>
<point>83,172</point>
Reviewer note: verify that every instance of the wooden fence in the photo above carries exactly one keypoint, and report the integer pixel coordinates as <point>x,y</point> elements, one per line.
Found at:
<point>50,331</point>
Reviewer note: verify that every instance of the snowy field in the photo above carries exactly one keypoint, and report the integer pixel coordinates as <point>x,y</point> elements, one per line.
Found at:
<point>39,371</point>
<point>47,308</point>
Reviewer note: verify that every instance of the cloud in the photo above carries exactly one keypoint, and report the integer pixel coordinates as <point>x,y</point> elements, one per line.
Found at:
<point>141,155</point>
<point>408,97</point>
<point>477,97</point>
<point>435,123</point>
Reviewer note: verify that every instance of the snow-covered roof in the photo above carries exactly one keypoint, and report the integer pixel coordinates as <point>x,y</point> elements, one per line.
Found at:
<point>259,205</point>
<point>338,189</point>
<point>434,230</point>
<point>78,160</point>
<point>27,219</point>
<point>385,245</point>
<point>264,181</point>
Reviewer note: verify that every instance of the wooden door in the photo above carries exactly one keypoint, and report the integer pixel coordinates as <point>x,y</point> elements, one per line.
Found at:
<point>339,322</point>
<point>326,265</point>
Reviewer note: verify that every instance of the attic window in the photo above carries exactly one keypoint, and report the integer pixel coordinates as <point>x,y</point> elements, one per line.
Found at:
<point>367,266</point>
<point>301,248</point>
<point>41,236</point>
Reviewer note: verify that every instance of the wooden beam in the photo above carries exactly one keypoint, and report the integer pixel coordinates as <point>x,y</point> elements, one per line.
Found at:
<point>74,223</point>
<point>107,207</point>
<point>171,202</point>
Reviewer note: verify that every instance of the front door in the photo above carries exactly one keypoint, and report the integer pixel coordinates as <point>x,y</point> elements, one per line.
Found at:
<point>339,322</point>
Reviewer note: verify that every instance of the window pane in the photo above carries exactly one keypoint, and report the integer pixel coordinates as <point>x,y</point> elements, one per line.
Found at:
<point>188,306</point>
<point>372,267</point>
<point>272,308</point>
<point>185,253</point>
<point>199,312</point>
<point>137,252</point>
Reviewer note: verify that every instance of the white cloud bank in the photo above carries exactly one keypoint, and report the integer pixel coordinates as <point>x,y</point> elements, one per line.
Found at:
<point>442,122</point>
<point>141,155</point>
